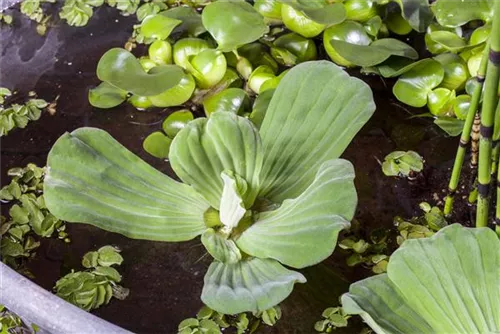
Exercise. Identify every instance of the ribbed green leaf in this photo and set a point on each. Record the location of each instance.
(232, 208)
(448, 283)
(221, 249)
(313, 115)
(304, 230)
(249, 285)
(201, 152)
(93, 179)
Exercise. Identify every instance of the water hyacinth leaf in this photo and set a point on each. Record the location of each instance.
(396, 66)
(350, 32)
(461, 106)
(160, 52)
(375, 53)
(410, 299)
(232, 208)
(176, 95)
(451, 125)
(158, 26)
(440, 101)
(397, 24)
(455, 71)
(292, 48)
(121, 69)
(93, 179)
(233, 24)
(187, 47)
(417, 12)
(157, 144)
(413, 87)
(176, 121)
(319, 11)
(191, 21)
(270, 9)
(201, 152)
(253, 285)
(233, 100)
(222, 249)
(208, 67)
(457, 13)
(307, 110)
(448, 40)
(328, 204)
(106, 96)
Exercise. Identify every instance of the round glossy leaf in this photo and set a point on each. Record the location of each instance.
(360, 10)
(457, 13)
(160, 52)
(260, 107)
(260, 75)
(373, 26)
(106, 96)
(461, 106)
(451, 125)
(440, 101)
(187, 47)
(396, 66)
(417, 13)
(298, 22)
(120, 68)
(157, 144)
(208, 67)
(319, 11)
(455, 71)
(375, 53)
(397, 24)
(233, 24)
(177, 95)
(233, 100)
(191, 21)
(158, 26)
(448, 40)
(273, 82)
(474, 63)
(140, 102)
(413, 87)
(147, 63)
(480, 35)
(257, 54)
(176, 121)
(270, 9)
(301, 48)
(350, 32)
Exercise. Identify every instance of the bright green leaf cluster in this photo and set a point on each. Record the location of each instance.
(78, 12)
(333, 318)
(28, 216)
(6, 18)
(12, 323)
(18, 115)
(96, 286)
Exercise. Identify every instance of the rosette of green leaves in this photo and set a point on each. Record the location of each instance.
(19, 115)
(91, 289)
(333, 317)
(401, 163)
(249, 194)
(78, 12)
(126, 7)
(447, 283)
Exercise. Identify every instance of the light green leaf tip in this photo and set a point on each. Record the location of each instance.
(447, 283)
(249, 285)
(232, 208)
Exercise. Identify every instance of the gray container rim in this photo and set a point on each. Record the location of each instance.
(52, 314)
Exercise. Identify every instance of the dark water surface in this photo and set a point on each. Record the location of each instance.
(165, 280)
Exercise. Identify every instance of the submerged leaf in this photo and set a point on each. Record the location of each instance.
(93, 179)
(308, 224)
(311, 119)
(249, 285)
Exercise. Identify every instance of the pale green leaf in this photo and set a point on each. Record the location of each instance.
(201, 152)
(451, 125)
(93, 179)
(309, 224)
(106, 96)
(447, 283)
(158, 26)
(451, 13)
(250, 285)
(314, 113)
(121, 69)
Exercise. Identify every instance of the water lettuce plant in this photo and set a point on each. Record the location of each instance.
(259, 199)
(447, 283)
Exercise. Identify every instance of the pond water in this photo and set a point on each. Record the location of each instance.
(165, 280)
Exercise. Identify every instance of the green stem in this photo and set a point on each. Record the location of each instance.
(466, 135)
(490, 102)
(494, 156)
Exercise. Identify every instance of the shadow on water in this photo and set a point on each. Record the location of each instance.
(165, 280)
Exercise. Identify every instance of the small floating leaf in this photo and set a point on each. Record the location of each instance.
(233, 100)
(417, 12)
(190, 18)
(457, 13)
(176, 121)
(157, 144)
(158, 26)
(106, 96)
